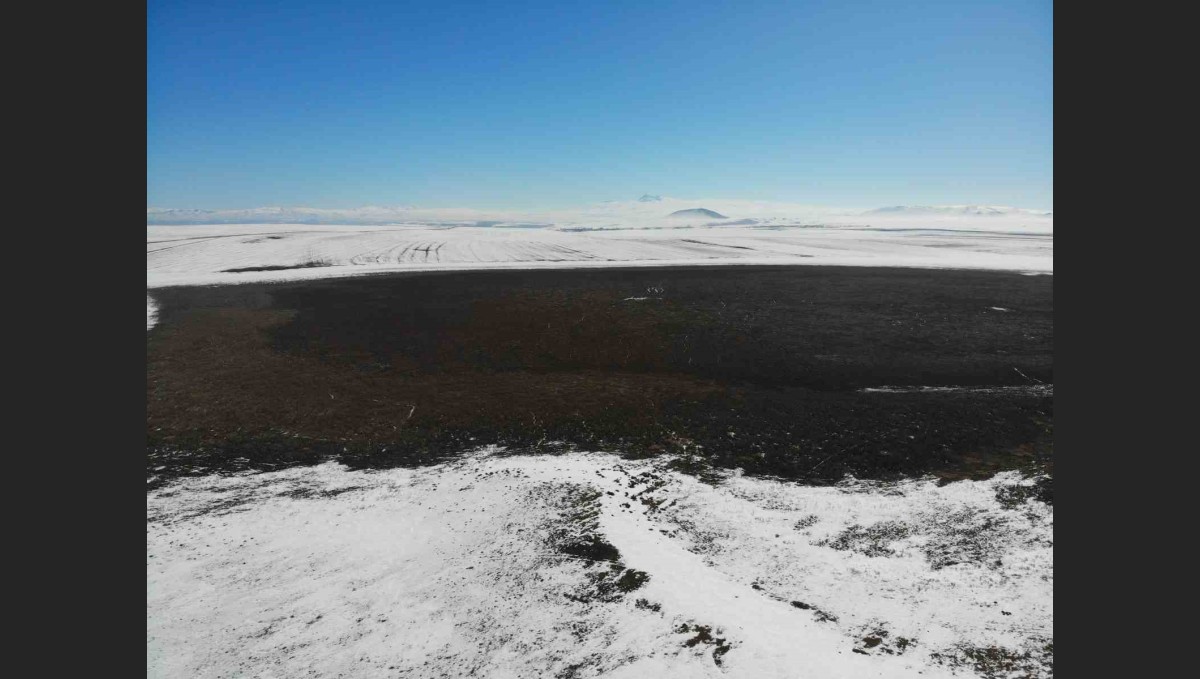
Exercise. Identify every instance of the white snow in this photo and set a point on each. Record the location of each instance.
(1047, 389)
(151, 312)
(182, 250)
(961, 210)
(200, 255)
(446, 571)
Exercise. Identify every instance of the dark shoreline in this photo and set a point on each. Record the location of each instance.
(758, 367)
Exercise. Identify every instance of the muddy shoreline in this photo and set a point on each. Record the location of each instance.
(808, 373)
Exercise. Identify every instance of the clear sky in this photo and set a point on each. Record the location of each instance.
(552, 104)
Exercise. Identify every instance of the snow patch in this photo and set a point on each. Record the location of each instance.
(1044, 389)
(451, 569)
(151, 312)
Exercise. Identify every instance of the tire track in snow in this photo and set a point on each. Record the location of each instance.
(403, 256)
(780, 640)
(375, 256)
(572, 251)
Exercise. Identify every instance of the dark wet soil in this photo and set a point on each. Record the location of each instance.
(754, 367)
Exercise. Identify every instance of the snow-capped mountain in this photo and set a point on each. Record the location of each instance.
(698, 212)
(648, 211)
(957, 210)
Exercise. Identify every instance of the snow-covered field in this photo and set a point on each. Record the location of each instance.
(458, 569)
(619, 234)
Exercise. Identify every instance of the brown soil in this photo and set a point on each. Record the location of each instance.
(752, 367)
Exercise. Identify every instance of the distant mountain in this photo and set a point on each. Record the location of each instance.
(649, 211)
(959, 210)
(280, 215)
(698, 212)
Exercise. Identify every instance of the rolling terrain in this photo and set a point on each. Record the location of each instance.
(759, 449)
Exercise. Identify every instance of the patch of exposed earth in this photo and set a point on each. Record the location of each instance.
(806, 373)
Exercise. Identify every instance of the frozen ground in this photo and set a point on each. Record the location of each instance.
(182, 252)
(183, 255)
(483, 567)
(182, 246)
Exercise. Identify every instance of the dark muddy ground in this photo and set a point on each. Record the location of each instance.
(754, 367)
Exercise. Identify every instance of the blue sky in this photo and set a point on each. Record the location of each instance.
(553, 104)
